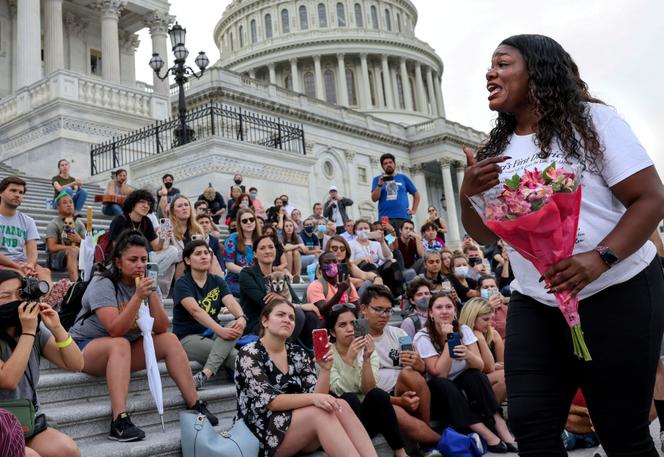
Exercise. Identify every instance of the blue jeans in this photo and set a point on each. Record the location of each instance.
(111, 209)
(79, 198)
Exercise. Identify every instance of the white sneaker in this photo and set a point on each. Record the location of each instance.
(433, 452)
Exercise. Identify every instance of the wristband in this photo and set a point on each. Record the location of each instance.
(65, 343)
(243, 317)
(29, 334)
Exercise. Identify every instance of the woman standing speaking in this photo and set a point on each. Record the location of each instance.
(545, 115)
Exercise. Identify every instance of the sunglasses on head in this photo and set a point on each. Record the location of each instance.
(249, 220)
(340, 306)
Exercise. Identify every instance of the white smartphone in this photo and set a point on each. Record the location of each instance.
(152, 272)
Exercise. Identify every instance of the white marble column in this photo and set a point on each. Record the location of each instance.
(395, 87)
(450, 201)
(342, 96)
(366, 90)
(110, 40)
(405, 83)
(76, 28)
(273, 73)
(54, 52)
(320, 93)
(417, 172)
(128, 44)
(387, 81)
(157, 22)
(419, 90)
(295, 75)
(28, 43)
(432, 94)
(380, 99)
(12, 13)
(439, 95)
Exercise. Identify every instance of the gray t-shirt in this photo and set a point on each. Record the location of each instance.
(24, 391)
(15, 231)
(101, 293)
(56, 226)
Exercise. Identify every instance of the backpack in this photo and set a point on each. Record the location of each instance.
(103, 248)
(71, 304)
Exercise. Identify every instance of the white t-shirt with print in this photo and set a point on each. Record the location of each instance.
(623, 156)
(387, 348)
(372, 249)
(425, 348)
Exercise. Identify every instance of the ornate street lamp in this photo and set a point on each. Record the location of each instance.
(184, 134)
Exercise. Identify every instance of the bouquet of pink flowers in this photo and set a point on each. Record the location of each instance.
(538, 215)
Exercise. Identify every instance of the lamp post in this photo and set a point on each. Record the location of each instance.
(181, 72)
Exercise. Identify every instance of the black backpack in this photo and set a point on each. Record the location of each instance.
(71, 304)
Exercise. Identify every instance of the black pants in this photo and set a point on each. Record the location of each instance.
(390, 273)
(467, 400)
(377, 415)
(623, 330)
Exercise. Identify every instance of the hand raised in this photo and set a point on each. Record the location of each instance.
(480, 176)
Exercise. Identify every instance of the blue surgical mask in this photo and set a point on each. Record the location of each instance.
(253, 196)
(321, 228)
(485, 293)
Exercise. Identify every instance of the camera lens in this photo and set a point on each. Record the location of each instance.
(33, 289)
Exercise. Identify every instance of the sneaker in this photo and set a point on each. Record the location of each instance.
(122, 429)
(433, 452)
(201, 407)
(478, 444)
(200, 380)
(297, 279)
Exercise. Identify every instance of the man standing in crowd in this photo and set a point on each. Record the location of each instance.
(18, 232)
(116, 186)
(289, 208)
(391, 191)
(166, 194)
(63, 238)
(335, 209)
(73, 186)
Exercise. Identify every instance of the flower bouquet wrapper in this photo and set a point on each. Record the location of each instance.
(540, 222)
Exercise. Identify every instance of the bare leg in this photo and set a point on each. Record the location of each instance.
(501, 428)
(72, 262)
(497, 379)
(167, 346)
(52, 443)
(410, 379)
(355, 430)
(110, 357)
(485, 433)
(215, 268)
(30, 453)
(44, 274)
(289, 261)
(415, 429)
(297, 262)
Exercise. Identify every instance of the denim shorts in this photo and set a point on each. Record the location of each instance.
(82, 343)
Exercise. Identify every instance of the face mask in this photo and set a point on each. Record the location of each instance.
(331, 270)
(485, 293)
(253, 196)
(309, 229)
(238, 181)
(363, 234)
(9, 314)
(243, 203)
(460, 272)
(422, 302)
(168, 185)
(321, 228)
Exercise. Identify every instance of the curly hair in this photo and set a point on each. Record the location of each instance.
(136, 196)
(559, 97)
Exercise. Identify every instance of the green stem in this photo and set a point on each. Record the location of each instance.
(580, 347)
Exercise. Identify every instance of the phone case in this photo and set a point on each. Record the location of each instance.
(321, 339)
(361, 327)
(405, 343)
(452, 341)
(152, 272)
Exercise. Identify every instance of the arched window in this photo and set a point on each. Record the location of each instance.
(268, 26)
(402, 102)
(304, 21)
(372, 89)
(388, 21)
(240, 33)
(285, 23)
(232, 44)
(374, 17)
(288, 82)
(398, 22)
(341, 15)
(252, 28)
(350, 87)
(309, 85)
(322, 15)
(358, 15)
(330, 87)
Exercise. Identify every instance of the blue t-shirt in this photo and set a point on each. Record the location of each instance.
(393, 202)
(208, 297)
(310, 241)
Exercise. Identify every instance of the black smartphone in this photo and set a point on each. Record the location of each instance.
(388, 178)
(360, 327)
(474, 261)
(343, 271)
(452, 342)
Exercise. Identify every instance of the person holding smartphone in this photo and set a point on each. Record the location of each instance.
(282, 400)
(333, 284)
(454, 365)
(353, 377)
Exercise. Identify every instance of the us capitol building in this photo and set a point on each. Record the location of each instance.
(306, 94)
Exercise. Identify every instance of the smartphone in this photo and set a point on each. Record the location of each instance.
(165, 228)
(361, 327)
(388, 178)
(494, 292)
(321, 340)
(197, 237)
(152, 272)
(474, 261)
(452, 342)
(374, 235)
(384, 220)
(405, 343)
(343, 271)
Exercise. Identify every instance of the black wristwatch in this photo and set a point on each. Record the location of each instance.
(608, 256)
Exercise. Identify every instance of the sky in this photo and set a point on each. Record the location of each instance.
(617, 45)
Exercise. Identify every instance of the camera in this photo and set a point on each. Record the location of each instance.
(33, 289)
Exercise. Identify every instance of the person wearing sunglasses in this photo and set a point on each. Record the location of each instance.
(332, 286)
(359, 278)
(238, 250)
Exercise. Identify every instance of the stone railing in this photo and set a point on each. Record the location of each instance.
(68, 86)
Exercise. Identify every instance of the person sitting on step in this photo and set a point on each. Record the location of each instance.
(64, 182)
(106, 331)
(63, 238)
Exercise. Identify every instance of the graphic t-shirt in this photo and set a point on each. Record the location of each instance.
(623, 156)
(393, 201)
(15, 232)
(387, 348)
(208, 297)
(55, 228)
(310, 241)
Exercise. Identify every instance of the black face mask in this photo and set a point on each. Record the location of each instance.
(238, 181)
(168, 185)
(9, 314)
(232, 230)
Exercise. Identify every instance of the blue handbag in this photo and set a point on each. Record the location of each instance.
(199, 439)
(454, 444)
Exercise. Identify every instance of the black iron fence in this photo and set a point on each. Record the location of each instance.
(213, 119)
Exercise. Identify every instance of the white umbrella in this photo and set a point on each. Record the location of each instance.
(86, 253)
(145, 321)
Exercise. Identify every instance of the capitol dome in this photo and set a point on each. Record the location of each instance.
(362, 54)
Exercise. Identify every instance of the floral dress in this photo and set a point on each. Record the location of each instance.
(258, 381)
(231, 254)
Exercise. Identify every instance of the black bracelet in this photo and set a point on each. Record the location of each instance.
(29, 334)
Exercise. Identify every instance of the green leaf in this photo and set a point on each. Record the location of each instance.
(513, 183)
(547, 180)
(537, 204)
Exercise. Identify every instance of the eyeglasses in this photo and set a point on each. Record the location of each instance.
(143, 202)
(381, 311)
(432, 210)
(248, 220)
(338, 248)
(340, 306)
